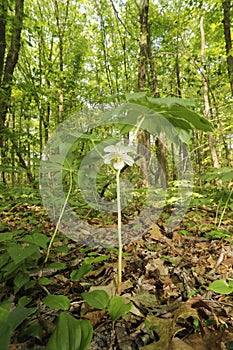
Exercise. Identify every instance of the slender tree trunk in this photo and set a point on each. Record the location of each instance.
(7, 65)
(3, 15)
(228, 39)
(143, 137)
(146, 63)
(61, 27)
(207, 110)
(11, 61)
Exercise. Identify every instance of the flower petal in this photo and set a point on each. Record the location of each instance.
(127, 159)
(119, 165)
(111, 148)
(109, 157)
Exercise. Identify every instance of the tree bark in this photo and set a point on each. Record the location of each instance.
(3, 14)
(61, 27)
(207, 110)
(7, 65)
(143, 137)
(11, 60)
(146, 63)
(228, 39)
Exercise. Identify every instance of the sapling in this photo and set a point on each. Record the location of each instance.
(118, 154)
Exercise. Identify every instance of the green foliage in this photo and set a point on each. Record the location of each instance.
(70, 334)
(10, 321)
(174, 110)
(58, 302)
(76, 275)
(221, 287)
(98, 299)
(116, 306)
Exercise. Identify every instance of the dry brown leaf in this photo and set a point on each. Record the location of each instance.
(110, 288)
(164, 330)
(155, 232)
(95, 316)
(178, 344)
(146, 299)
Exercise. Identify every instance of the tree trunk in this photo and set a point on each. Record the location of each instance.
(61, 27)
(207, 110)
(143, 137)
(11, 61)
(7, 65)
(146, 62)
(3, 15)
(228, 40)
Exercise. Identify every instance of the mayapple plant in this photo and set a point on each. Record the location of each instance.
(118, 154)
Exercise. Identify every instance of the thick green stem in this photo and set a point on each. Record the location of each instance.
(119, 233)
(60, 217)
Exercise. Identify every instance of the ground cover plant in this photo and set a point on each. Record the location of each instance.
(181, 282)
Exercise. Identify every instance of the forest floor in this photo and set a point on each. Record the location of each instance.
(165, 277)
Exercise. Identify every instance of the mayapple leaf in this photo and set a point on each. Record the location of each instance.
(59, 302)
(98, 299)
(70, 334)
(118, 307)
(173, 109)
(221, 287)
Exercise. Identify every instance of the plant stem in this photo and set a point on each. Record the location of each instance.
(60, 217)
(119, 233)
(225, 207)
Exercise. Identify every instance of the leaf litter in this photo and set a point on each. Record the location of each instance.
(166, 278)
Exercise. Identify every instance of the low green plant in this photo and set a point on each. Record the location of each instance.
(116, 306)
(20, 255)
(10, 320)
(221, 286)
(70, 334)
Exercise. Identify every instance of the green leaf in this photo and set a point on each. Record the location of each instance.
(3, 314)
(19, 253)
(118, 307)
(171, 101)
(24, 300)
(59, 302)
(5, 335)
(91, 259)
(10, 321)
(57, 265)
(173, 109)
(70, 334)
(18, 315)
(44, 281)
(32, 330)
(36, 238)
(6, 236)
(195, 120)
(137, 96)
(20, 280)
(221, 287)
(76, 275)
(98, 299)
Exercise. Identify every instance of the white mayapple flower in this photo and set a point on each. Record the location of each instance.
(119, 154)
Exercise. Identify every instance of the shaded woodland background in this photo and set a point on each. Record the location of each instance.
(60, 57)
